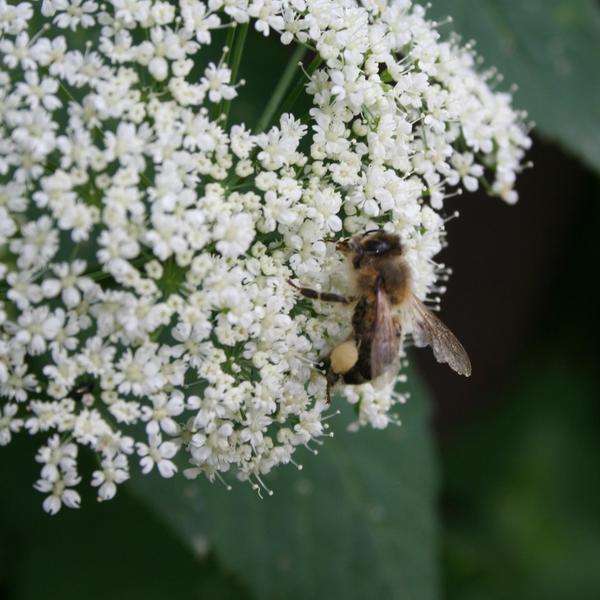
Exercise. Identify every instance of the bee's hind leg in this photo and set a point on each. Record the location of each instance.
(325, 296)
(341, 361)
(332, 378)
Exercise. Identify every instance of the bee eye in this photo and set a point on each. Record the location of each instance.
(376, 247)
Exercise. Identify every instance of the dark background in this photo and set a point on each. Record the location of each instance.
(519, 442)
(518, 284)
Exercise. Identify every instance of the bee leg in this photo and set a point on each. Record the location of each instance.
(325, 296)
(332, 379)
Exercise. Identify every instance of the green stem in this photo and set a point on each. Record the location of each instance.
(217, 109)
(236, 51)
(282, 86)
(292, 97)
(74, 252)
(99, 274)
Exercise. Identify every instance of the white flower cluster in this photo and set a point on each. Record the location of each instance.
(145, 245)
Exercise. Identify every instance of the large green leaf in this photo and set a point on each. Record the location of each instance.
(359, 520)
(551, 49)
(523, 489)
(114, 550)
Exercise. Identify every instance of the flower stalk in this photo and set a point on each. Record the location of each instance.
(295, 60)
(236, 52)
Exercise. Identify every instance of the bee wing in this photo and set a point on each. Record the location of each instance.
(385, 344)
(428, 330)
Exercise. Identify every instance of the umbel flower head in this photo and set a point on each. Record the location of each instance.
(146, 242)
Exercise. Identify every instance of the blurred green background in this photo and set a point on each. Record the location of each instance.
(490, 489)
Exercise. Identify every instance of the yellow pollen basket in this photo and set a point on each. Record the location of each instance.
(343, 357)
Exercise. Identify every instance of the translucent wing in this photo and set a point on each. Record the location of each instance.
(428, 330)
(385, 343)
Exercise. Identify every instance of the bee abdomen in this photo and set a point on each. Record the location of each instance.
(363, 318)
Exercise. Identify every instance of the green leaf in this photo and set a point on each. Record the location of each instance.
(358, 521)
(523, 488)
(550, 48)
(117, 549)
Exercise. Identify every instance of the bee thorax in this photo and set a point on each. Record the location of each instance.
(396, 280)
(393, 273)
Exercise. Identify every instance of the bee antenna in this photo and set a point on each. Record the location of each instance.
(371, 231)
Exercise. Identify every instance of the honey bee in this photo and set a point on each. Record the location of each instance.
(385, 307)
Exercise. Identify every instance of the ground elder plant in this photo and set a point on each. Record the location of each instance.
(146, 239)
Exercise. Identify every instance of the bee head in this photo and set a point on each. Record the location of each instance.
(369, 244)
(348, 246)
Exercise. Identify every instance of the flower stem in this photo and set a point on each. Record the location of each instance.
(292, 97)
(217, 109)
(236, 52)
(281, 88)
